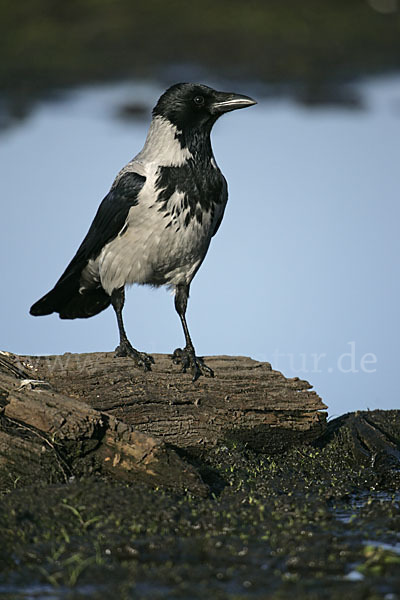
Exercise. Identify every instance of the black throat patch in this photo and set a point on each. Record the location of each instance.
(201, 187)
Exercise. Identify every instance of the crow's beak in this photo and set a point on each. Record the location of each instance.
(225, 102)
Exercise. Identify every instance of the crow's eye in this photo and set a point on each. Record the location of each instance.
(198, 100)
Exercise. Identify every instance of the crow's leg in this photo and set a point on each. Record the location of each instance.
(187, 357)
(142, 360)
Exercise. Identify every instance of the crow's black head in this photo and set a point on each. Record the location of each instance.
(193, 105)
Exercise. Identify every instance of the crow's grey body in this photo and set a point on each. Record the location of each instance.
(155, 225)
(156, 247)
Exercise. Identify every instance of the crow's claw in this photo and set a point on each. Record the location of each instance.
(188, 360)
(141, 359)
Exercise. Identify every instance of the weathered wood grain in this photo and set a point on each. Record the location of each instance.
(246, 399)
(77, 414)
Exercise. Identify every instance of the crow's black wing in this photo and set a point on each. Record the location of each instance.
(223, 201)
(109, 220)
(65, 297)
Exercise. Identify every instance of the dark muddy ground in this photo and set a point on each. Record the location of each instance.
(317, 522)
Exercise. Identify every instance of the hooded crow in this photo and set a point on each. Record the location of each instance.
(155, 225)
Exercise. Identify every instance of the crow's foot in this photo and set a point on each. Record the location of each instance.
(188, 360)
(141, 359)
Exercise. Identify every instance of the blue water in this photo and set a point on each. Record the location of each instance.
(304, 272)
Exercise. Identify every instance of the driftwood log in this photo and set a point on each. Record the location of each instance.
(77, 413)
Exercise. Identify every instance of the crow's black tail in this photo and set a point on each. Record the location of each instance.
(66, 300)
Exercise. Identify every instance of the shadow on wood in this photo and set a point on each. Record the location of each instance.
(73, 414)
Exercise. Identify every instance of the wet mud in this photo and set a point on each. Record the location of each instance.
(317, 521)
